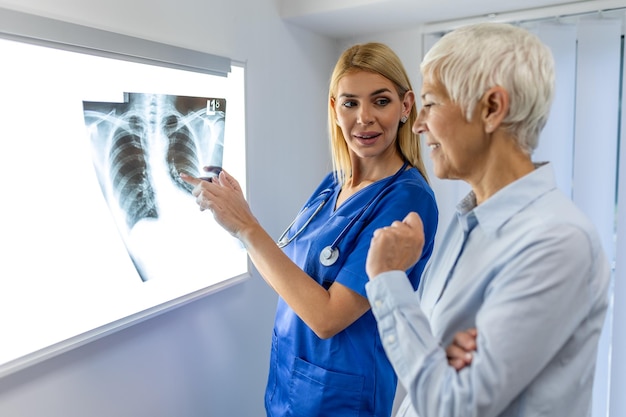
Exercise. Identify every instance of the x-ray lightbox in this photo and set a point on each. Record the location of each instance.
(96, 230)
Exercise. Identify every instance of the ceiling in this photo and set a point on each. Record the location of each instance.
(347, 18)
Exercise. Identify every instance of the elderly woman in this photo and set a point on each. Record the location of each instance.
(519, 263)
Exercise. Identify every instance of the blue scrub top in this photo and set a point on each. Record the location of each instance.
(349, 373)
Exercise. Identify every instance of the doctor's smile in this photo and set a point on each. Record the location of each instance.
(368, 137)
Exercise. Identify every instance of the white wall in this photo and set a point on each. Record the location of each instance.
(209, 357)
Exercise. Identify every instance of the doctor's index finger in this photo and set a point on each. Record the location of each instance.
(189, 179)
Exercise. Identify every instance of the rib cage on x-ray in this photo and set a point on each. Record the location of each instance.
(128, 172)
(141, 145)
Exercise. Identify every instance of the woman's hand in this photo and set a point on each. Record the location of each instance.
(396, 247)
(222, 195)
(459, 352)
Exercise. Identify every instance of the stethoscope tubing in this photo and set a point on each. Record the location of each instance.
(356, 218)
(330, 253)
(282, 242)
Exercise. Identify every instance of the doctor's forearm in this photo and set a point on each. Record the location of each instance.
(310, 301)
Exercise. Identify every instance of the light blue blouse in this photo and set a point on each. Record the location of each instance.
(527, 269)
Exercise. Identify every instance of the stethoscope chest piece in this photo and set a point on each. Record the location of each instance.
(329, 255)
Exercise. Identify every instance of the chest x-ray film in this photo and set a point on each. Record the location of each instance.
(96, 229)
(139, 148)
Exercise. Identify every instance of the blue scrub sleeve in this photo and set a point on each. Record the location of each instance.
(395, 205)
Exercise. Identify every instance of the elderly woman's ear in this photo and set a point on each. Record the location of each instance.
(495, 107)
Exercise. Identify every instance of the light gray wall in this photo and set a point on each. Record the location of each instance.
(406, 43)
(209, 357)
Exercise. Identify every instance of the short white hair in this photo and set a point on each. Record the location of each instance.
(472, 59)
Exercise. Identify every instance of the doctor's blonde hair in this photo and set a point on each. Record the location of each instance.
(380, 59)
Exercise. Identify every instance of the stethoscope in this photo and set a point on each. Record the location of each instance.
(330, 254)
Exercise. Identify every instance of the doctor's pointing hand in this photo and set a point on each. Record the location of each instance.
(222, 195)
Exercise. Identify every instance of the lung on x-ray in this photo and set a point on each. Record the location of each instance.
(139, 147)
